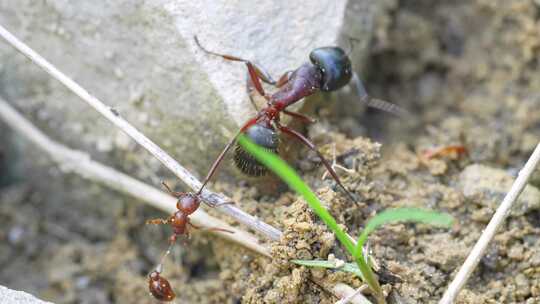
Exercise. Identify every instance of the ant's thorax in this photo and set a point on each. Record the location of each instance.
(304, 81)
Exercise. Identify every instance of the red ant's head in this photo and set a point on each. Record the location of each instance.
(188, 203)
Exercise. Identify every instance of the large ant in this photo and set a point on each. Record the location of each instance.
(186, 205)
(329, 69)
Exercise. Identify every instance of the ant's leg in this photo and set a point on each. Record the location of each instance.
(194, 226)
(301, 117)
(173, 193)
(210, 229)
(256, 73)
(260, 71)
(310, 145)
(216, 163)
(283, 79)
(158, 221)
(374, 102)
(250, 88)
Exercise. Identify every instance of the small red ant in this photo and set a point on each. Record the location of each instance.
(186, 205)
(329, 70)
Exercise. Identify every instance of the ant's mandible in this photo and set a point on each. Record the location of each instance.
(329, 69)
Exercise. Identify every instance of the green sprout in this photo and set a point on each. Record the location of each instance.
(287, 174)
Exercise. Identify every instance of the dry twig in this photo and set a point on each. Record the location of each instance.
(80, 163)
(498, 218)
(209, 197)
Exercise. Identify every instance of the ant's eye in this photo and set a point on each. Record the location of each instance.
(335, 67)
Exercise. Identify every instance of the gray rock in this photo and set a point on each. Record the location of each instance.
(487, 186)
(140, 57)
(9, 296)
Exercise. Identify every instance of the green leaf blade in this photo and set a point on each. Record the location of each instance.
(403, 215)
(287, 174)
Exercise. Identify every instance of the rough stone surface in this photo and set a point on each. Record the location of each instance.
(140, 57)
(9, 296)
(488, 186)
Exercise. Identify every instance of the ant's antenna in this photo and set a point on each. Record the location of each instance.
(374, 102)
(364, 96)
(352, 41)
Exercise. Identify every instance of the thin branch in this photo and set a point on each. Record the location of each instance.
(211, 198)
(80, 163)
(498, 218)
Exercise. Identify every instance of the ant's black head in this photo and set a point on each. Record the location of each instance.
(335, 67)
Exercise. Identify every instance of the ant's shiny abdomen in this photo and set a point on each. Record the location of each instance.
(263, 136)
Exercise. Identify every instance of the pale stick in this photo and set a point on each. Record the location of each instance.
(80, 163)
(498, 218)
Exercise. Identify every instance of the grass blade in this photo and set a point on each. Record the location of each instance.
(287, 174)
(403, 215)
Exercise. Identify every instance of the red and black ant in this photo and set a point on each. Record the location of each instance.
(186, 205)
(329, 69)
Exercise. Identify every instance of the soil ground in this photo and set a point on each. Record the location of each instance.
(467, 72)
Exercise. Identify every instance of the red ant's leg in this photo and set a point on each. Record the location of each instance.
(173, 193)
(256, 73)
(310, 145)
(301, 117)
(251, 92)
(250, 87)
(210, 229)
(283, 79)
(216, 163)
(158, 221)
